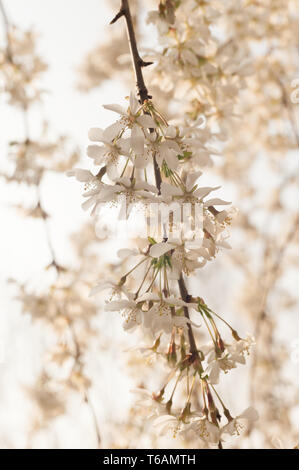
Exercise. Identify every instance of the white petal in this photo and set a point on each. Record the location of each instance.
(89, 203)
(170, 132)
(221, 216)
(172, 160)
(216, 202)
(160, 249)
(191, 178)
(146, 186)
(116, 108)
(119, 305)
(95, 134)
(81, 175)
(202, 192)
(214, 372)
(100, 287)
(134, 104)
(148, 296)
(250, 413)
(112, 131)
(95, 151)
(165, 423)
(137, 140)
(170, 190)
(147, 121)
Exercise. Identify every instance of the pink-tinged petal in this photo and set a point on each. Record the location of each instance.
(159, 249)
(95, 134)
(216, 202)
(116, 108)
(112, 131)
(137, 140)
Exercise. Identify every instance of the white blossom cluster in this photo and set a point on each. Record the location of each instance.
(196, 65)
(143, 159)
(20, 68)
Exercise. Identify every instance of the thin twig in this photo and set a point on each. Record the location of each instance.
(7, 28)
(87, 399)
(138, 64)
(94, 418)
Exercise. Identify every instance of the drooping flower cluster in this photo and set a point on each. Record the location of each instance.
(20, 68)
(132, 154)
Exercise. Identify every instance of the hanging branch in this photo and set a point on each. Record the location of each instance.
(138, 64)
(7, 28)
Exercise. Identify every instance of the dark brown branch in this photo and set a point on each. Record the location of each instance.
(157, 175)
(186, 298)
(138, 62)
